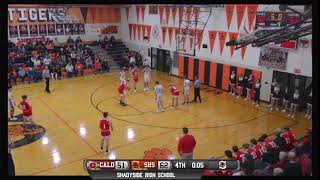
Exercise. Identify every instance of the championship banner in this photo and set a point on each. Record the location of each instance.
(82, 29)
(130, 30)
(232, 36)
(127, 12)
(75, 29)
(23, 30)
(143, 8)
(229, 13)
(67, 29)
(161, 9)
(164, 34)
(167, 10)
(139, 31)
(138, 12)
(51, 30)
(174, 13)
(243, 51)
(222, 39)
(273, 58)
(60, 29)
(134, 31)
(171, 29)
(252, 12)
(42, 30)
(148, 32)
(212, 38)
(240, 8)
(33, 29)
(13, 31)
(199, 37)
(189, 10)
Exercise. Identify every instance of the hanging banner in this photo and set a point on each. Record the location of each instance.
(33, 30)
(143, 8)
(144, 28)
(232, 36)
(197, 12)
(52, 29)
(222, 39)
(174, 13)
(139, 31)
(127, 12)
(181, 11)
(167, 9)
(148, 32)
(212, 38)
(171, 29)
(138, 12)
(161, 9)
(13, 31)
(199, 37)
(189, 11)
(243, 51)
(229, 13)
(252, 12)
(240, 8)
(164, 34)
(191, 42)
(23, 29)
(43, 30)
(134, 26)
(60, 29)
(130, 30)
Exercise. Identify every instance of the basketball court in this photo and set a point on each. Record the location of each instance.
(70, 116)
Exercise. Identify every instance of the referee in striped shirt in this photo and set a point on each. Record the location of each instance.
(46, 75)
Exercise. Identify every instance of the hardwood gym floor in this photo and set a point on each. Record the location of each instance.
(70, 116)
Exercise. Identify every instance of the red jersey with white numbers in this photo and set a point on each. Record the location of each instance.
(135, 75)
(26, 108)
(175, 91)
(240, 156)
(269, 143)
(105, 127)
(253, 153)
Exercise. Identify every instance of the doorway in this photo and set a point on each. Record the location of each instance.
(159, 59)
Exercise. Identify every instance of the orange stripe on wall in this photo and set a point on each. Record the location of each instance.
(201, 70)
(181, 65)
(256, 75)
(190, 69)
(239, 72)
(213, 74)
(225, 77)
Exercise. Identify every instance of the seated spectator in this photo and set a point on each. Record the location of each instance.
(262, 169)
(38, 74)
(47, 61)
(73, 56)
(105, 66)
(293, 168)
(97, 66)
(277, 172)
(88, 61)
(31, 74)
(289, 139)
(282, 160)
(69, 69)
(279, 141)
(304, 159)
(21, 74)
(79, 68)
(70, 42)
(248, 166)
(269, 156)
(13, 76)
(58, 71)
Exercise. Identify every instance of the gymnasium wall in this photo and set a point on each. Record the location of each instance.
(134, 27)
(94, 18)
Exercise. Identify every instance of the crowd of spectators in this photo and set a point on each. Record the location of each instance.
(281, 156)
(27, 59)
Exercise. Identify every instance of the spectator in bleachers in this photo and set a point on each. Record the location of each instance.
(58, 71)
(279, 141)
(30, 74)
(56, 44)
(69, 69)
(54, 73)
(79, 42)
(282, 160)
(277, 172)
(248, 166)
(132, 60)
(78, 69)
(270, 156)
(13, 76)
(262, 169)
(293, 168)
(73, 56)
(97, 66)
(47, 60)
(88, 62)
(304, 159)
(105, 66)
(21, 74)
(70, 42)
(38, 74)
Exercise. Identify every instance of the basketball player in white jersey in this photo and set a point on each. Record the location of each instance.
(146, 73)
(11, 104)
(159, 93)
(122, 74)
(186, 90)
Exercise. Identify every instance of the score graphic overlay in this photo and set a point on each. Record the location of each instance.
(154, 169)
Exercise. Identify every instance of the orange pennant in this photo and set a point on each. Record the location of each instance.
(176, 32)
(171, 29)
(144, 28)
(134, 31)
(252, 12)
(199, 36)
(243, 51)
(232, 36)
(191, 32)
(197, 11)
(127, 12)
(142, 12)
(240, 8)
(212, 38)
(148, 32)
(189, 10)
(139, 31)
(222, 39)
(130, 30)
(164, 33)
(167, 9)
(181, 11)
(161, 8)
(229, 12)
(138, 12)
(174, 13)
(191, 42)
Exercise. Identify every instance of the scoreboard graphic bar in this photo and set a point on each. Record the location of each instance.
(156, 169)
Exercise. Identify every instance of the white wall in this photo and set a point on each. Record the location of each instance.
(297, 59)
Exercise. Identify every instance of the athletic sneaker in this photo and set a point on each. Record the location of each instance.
(14, 119)
(162, 110)
(245, 99)
(277, 109)
(157, 110)
(309, 117)
(237, 97)
(257, 105)
(293, 116)
(306, 115)
(171, 107)
(233, 94)
(135, 90)
(283, 110)
(271, 109)
(289, 115)
(253, 103)
(230, 93)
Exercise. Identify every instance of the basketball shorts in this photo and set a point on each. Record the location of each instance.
(159, 98)
(146, 78)
(186, 92)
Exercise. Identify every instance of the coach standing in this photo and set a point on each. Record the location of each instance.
(197, 84)
(11, 168)
(46, 76)
(186, 145)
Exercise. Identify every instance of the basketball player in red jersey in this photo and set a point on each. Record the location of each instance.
(135, 77)
(290, 140)
(249, 150)
(175, 94)
(258, 148)
(239, 154)
(105, 127)
(267, 142)
(27, 112)
(121, 90)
